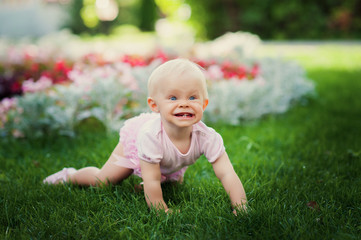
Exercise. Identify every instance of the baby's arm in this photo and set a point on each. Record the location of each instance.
(230, 181)
(152, 189)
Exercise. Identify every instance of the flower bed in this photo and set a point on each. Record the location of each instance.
(47, 88)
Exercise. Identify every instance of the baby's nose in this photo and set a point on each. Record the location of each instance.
(183, 103)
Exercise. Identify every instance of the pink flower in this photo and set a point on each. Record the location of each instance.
(7, 103)
(214, 72)
(255, 70)
(17, 134)
(40, 85)
(14, 56)
(127, 77)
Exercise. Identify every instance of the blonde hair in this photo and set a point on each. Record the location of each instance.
(176, 68)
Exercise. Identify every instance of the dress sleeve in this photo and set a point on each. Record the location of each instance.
(213, 147)
(149, 147)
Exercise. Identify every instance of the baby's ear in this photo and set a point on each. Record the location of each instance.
(153, 106)
(205, 104)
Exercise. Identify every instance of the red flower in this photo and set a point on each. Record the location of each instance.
(241, 72)
(27, 56)
(161, 55)
(93, 58)
(205, 64)
(134, 61)
(46, 74)
(202, 63)
(60, 66)
(35, 67)
(15, 87)
(229, 70)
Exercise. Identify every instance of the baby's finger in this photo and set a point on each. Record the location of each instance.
(171, 211)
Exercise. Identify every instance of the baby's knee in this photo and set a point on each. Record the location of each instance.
(101, 179)
(105, 179)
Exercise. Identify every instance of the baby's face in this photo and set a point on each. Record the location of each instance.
(180, 101)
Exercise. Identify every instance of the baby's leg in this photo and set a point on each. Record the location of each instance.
(110, 172)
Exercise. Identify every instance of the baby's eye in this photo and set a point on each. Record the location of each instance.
(192, 98)
(173, 98)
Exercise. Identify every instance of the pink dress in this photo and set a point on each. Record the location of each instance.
(143, 138)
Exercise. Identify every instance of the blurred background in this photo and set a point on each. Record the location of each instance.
(208, 19)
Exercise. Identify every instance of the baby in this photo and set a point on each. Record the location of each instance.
(159, 146)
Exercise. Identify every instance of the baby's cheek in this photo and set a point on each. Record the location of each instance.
(197, 105)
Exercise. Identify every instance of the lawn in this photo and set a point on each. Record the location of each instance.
(301, 172)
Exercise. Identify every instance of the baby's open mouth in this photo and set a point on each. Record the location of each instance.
(185, 115)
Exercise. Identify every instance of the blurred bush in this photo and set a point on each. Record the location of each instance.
(277, 19)
(280, 19)
(85, 19)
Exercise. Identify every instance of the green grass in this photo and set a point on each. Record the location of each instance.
(311, 153)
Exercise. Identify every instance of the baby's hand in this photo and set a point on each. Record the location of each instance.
(240, 208)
